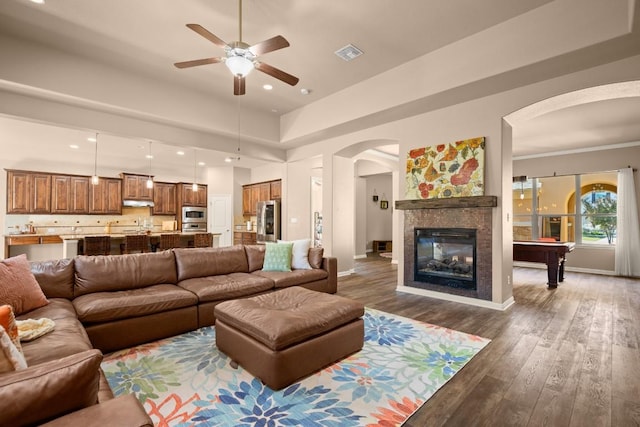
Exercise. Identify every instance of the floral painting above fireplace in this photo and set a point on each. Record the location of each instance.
(446, 170)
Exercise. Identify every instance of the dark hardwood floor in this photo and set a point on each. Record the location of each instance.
(563, 357)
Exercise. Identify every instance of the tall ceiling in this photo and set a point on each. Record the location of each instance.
(146, 37)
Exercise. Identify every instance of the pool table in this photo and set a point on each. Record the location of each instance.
(551, 253)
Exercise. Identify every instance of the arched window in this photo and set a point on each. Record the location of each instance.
(599, 208)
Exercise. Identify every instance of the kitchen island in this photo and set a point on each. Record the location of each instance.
(41, 247)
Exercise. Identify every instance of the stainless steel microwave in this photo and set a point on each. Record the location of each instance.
(194, 214)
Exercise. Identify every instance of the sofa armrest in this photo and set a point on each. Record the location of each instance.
(49, 390)
(123, 411)
(330, 265)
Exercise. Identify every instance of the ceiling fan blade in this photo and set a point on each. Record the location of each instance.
(274, 43)
(278, 74)
(238, 85)
(196, 62)
(207, 35)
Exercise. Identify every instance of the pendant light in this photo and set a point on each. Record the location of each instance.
(94, 179)
(194, 186)
(149, 180)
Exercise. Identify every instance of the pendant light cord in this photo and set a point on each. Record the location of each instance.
(95, 158)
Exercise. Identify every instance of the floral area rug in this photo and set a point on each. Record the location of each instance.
(186, 381)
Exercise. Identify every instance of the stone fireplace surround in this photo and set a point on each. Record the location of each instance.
(459, 212)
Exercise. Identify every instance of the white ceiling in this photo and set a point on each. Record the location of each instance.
(147, 36)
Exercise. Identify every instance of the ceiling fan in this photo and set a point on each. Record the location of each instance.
(241, 58)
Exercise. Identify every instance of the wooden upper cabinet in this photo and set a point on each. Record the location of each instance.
(28, 192)
(106, 197)
(69, 194)
(190, 198)
(134, 187)
(254, 193)
(276, 190)
(264, 190)
(164, 198)
(246, 200)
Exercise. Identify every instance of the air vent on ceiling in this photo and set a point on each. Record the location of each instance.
(348, 52)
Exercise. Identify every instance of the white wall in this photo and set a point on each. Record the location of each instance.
(379, 221)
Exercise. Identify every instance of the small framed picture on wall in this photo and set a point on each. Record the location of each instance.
(384, 204)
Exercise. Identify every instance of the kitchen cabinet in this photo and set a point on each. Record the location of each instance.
(28, 192)
(254, 193)
(69, 194)
(191, 198)
(275, 190)
(106, 197)
(244, 238)
(164, 198)
(134, 187)
(247, 200)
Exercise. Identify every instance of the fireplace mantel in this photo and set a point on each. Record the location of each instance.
(449, 203)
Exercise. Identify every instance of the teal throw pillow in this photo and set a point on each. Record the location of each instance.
(277, 257)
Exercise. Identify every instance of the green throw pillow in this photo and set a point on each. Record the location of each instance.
(277, 257)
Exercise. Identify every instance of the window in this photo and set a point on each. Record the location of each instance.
(546, 208)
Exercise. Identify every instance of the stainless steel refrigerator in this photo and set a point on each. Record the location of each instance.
(268, 221)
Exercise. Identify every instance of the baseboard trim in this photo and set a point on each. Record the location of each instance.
(359, 256)
(540, 266)
(457, 298)
(394, 261)
(346, 273)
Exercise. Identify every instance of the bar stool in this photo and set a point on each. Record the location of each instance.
(168, 241)
(203, 240)
(135, 243)
(97, 245)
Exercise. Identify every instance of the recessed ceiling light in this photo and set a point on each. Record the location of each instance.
(305, 91)
(91, 139)
(74, 146)
(228, 159)
(149, 156)
(180, 153)
(37, 1)
(201, 163)
(273, 110)
(267, 87)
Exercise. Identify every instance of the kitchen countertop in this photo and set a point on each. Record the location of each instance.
(82, 236)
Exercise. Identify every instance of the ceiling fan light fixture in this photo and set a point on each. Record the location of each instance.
(239, 65)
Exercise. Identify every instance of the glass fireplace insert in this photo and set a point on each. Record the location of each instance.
(446, 256)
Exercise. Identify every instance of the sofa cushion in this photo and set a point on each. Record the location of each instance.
(255, 256)
(54, 277)
(50, 389)
(315, 257)
(68, 337)
(277, 257)
(8, 322)
(293, 278)
(108, 306)
(226, 286)
(11, 359)
(18, 287)
(202, 262)
(299, 253)
(123, 272)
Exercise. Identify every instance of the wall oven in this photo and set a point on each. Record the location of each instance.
(194, 214)
(194, 219)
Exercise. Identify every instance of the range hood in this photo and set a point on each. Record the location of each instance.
(137, 203)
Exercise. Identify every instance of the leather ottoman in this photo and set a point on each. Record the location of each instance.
(289, 334)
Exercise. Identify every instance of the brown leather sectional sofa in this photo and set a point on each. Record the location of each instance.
(107, 303)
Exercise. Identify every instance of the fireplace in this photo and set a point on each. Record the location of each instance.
(445, 256)
(455, 213)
